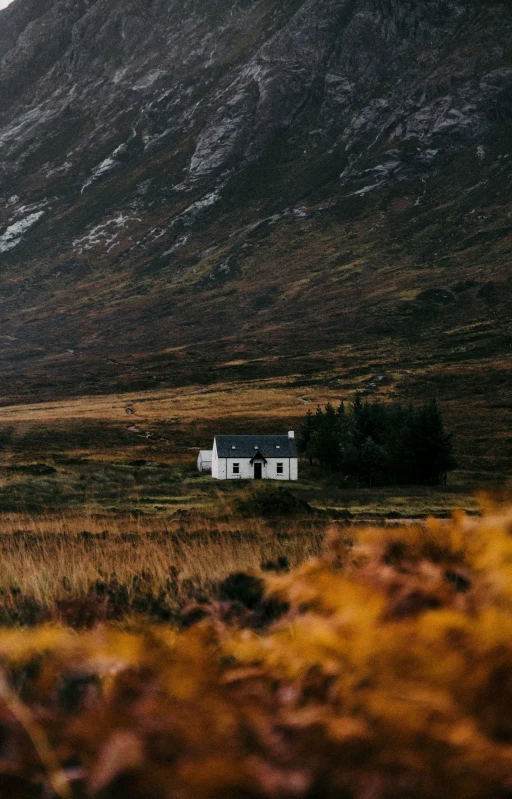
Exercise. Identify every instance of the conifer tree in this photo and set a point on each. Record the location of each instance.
(373, 461)
(325, 441)
(433, 446)
(379, 444)
(306, 431)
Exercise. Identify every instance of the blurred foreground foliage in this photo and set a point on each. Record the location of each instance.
(384, 673)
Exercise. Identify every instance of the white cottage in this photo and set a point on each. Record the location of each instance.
(204, 460)
(255, 458)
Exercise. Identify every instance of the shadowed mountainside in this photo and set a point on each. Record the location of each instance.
(204, 191)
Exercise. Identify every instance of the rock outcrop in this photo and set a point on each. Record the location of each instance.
(113, 82)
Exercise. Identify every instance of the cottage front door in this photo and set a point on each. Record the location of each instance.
(257, 471)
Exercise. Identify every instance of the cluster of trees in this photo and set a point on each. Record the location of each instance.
(377, 444)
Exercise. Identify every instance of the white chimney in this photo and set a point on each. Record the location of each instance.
(291, 434)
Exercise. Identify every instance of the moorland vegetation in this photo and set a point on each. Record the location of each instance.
(379, 668)
(105, 517)
(84, 568)
(169, 638)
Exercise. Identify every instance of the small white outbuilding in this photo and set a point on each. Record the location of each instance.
(255, 458)
(204, 460)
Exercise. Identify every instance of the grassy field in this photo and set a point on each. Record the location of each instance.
(136, 454)
(104, 515)
(81, 570)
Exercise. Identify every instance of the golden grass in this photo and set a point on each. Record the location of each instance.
(185, 404)
(47, 559)
(385, 671)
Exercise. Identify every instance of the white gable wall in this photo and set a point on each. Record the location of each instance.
(218, 465)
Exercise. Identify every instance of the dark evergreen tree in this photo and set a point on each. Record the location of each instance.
(433, 447)
(306, 431)
(373, 462)
(325, 441)
(379, 444)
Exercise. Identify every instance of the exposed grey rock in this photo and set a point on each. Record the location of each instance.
(97, 75)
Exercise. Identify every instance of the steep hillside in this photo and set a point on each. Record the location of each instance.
(197, 191)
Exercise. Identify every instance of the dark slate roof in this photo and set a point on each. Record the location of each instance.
(248, 446)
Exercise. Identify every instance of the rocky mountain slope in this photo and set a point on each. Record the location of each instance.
(212, 189)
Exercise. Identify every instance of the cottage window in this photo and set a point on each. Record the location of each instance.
(280, 468)
(236, 468)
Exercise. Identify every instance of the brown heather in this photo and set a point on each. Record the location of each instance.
(385, 673)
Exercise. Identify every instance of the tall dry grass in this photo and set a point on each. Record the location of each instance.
(137, 564)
